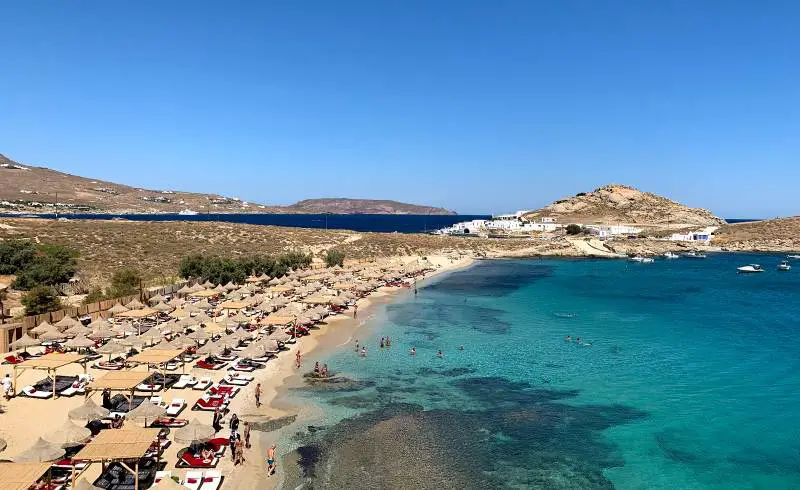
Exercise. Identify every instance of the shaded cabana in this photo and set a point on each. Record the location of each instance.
(49, 363)
(233, 305)
(122, 381)
(124, 446)
(21, 476)
(206, 293)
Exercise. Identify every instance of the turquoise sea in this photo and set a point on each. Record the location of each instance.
(692, 381)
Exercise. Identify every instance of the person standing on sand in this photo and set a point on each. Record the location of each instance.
(8, 387)
(271, 460)
(298, 359)
(247, 435)
(216, 421)
(239, 452)
(355, 311)
(258, 395)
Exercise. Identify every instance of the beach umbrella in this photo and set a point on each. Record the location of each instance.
(202, 304)
(185, 290)
(68, 435)
(202, 318)
(67, 322)
(199, 334)
(279, 336)
(271, 345)
(112, 348)
(147, 410)
(117, 309)
(239, 317)
(41, 452)
(79, 342)
(152, 334)
(24, 342)
(102, 333)
(194, 431)
(219, 289)
(164, 345)
(78, 329)
(134, 305)
(176, 302)
(41, 328)
(252, 351)
(214, 328)
(156, 299)
(182, 343)
(241, 334)
(180, 313)
(125, 329)
(99, 323)
(88, 411)
(162, 307)
(209, 348)
(52, 335)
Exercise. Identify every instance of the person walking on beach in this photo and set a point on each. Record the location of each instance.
(239, 452)
(355, 311)
(298, 359)
(215, 423)
(234, 423)
(8, 387)
(232, 443)
(247, 435)
(258, 395)
(271, 460)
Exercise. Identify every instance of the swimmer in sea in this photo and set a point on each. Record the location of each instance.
(461, 348)
(439, 354)
(412, 351)
(578, 340)
(568, 338)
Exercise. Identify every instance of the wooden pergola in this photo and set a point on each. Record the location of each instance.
(156, 358)
(233, 305)
(50, 363)
(20, 476)
(206, 293)
(118, 445)
(124, 381)
(137, 314)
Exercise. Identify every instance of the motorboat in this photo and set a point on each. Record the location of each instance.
(695, 255)
(750, 268)
(793, 256)
(187, 212)
(643, 260)
(784, 266)
(671, 255)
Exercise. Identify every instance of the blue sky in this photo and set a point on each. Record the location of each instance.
(478, 106)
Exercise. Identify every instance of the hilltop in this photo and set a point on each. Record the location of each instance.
(31, 189)
(623, 204)
(774, 235)
(362, 206)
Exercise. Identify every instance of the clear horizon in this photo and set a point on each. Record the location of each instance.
(476, 107)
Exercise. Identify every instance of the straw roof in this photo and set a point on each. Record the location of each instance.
(239, 317)
(127, 443)
(270, 346)
(156, 299)
(78, 342)
(98, 323)
(42, 328)
(119, 381)
(111, 348)
(52, 335)
(138, 313)
(277, 320)
(78, 329)
(199, 334)
(40, 452)
(24, 342)
(279, 336)
(52, 361)
(194, 431)
(213, 328)
(134, 305)
(126, 328)
(156, 357)
(147, 410)
(183, 343)
(117, 308)
(20, 476)
(203, 303)
(203, 293)
(233, 305)
(162, 307)
(88, 411)
(68, 435)
(210, 348)
(103, 333)
(67, 322)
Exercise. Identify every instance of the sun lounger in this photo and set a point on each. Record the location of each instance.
(169, 422)
(188, 460)
(210, 403)
(172, 366)
(176, 406)
(202, 384)
(232, 380)
(185, 381)
(66, 464)
(33, 392)
(160, 475)
(78, 387)
(219, 445)
(193, 480)
(202, 364)
(148, 387)
(158, 400)
(212, 479)
(109, 366)
(12, 359)
(244, 368)
(228, 391)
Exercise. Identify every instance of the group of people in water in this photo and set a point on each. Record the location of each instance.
(577, 340)
(386, 342)
(321, 369)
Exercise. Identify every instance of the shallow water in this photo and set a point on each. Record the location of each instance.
(691, 381)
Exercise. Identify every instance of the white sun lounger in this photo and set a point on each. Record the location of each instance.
(176, 406)
(185, 381)
(193, 480)
(34, 393)
(212, 479)
(160, 475)
(202, 384)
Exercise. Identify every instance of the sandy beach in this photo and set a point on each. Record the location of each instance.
(26, 419)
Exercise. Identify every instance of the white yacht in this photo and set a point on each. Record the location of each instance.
(643, 260)
(671, 255)
(793, 256)
(784, 266)
(187, 212)
(695, 255)
(750, 268)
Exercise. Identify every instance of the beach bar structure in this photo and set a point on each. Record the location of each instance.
(123, 446)
(50, 363)
(21, 476)
(122, 381)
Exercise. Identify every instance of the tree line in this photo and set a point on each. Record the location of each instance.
(222, 270)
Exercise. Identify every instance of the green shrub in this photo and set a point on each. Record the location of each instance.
(36, 264)
(574, 229)
(95, 296)
(334, 258)
(41, 299)
(221, 270)
(124, 282)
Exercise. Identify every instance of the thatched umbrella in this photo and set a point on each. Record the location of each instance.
(214, 328)
(271, 345)
(182, 343)
(252, 351)
(239, 317)
(79, 342)
(68, 435)
(125, 329)
(67, 322)
(88, 411)
(24, 342)
(117, 309)
(78, 329)
(194, 431)
(41, 452)
(99, 323)
(241, 334)
(164, 345)
(203, 318)
(41, 328)
(112, 348)
(203, 304)
(279, 336)
(162, 307)
(176, 302)
(134, 305)
(146, 411)
(230, 286)
(210, 348)
(102, 333)
(52, 335)
(199, 334)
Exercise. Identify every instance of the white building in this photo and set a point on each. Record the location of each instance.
(607, 231)
(703, 236)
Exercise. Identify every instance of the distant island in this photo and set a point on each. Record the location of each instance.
(31, 189)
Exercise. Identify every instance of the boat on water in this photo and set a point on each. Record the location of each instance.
(187, 212)
(643, 260)
(793, 256)
(695, 255)
(671, 255)
(750, 268)
(784, 266)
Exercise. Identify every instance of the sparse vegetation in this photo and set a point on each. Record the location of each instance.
(221, 270)
(41, 299)
(124, 282)
(36, 265)
(574, 229)
(334, 258)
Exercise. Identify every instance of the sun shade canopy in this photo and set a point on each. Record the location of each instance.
(115, 444)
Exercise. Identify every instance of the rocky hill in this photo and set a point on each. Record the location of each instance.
(772, 235)
(30, 189)
(622, 204)
(362, 206)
